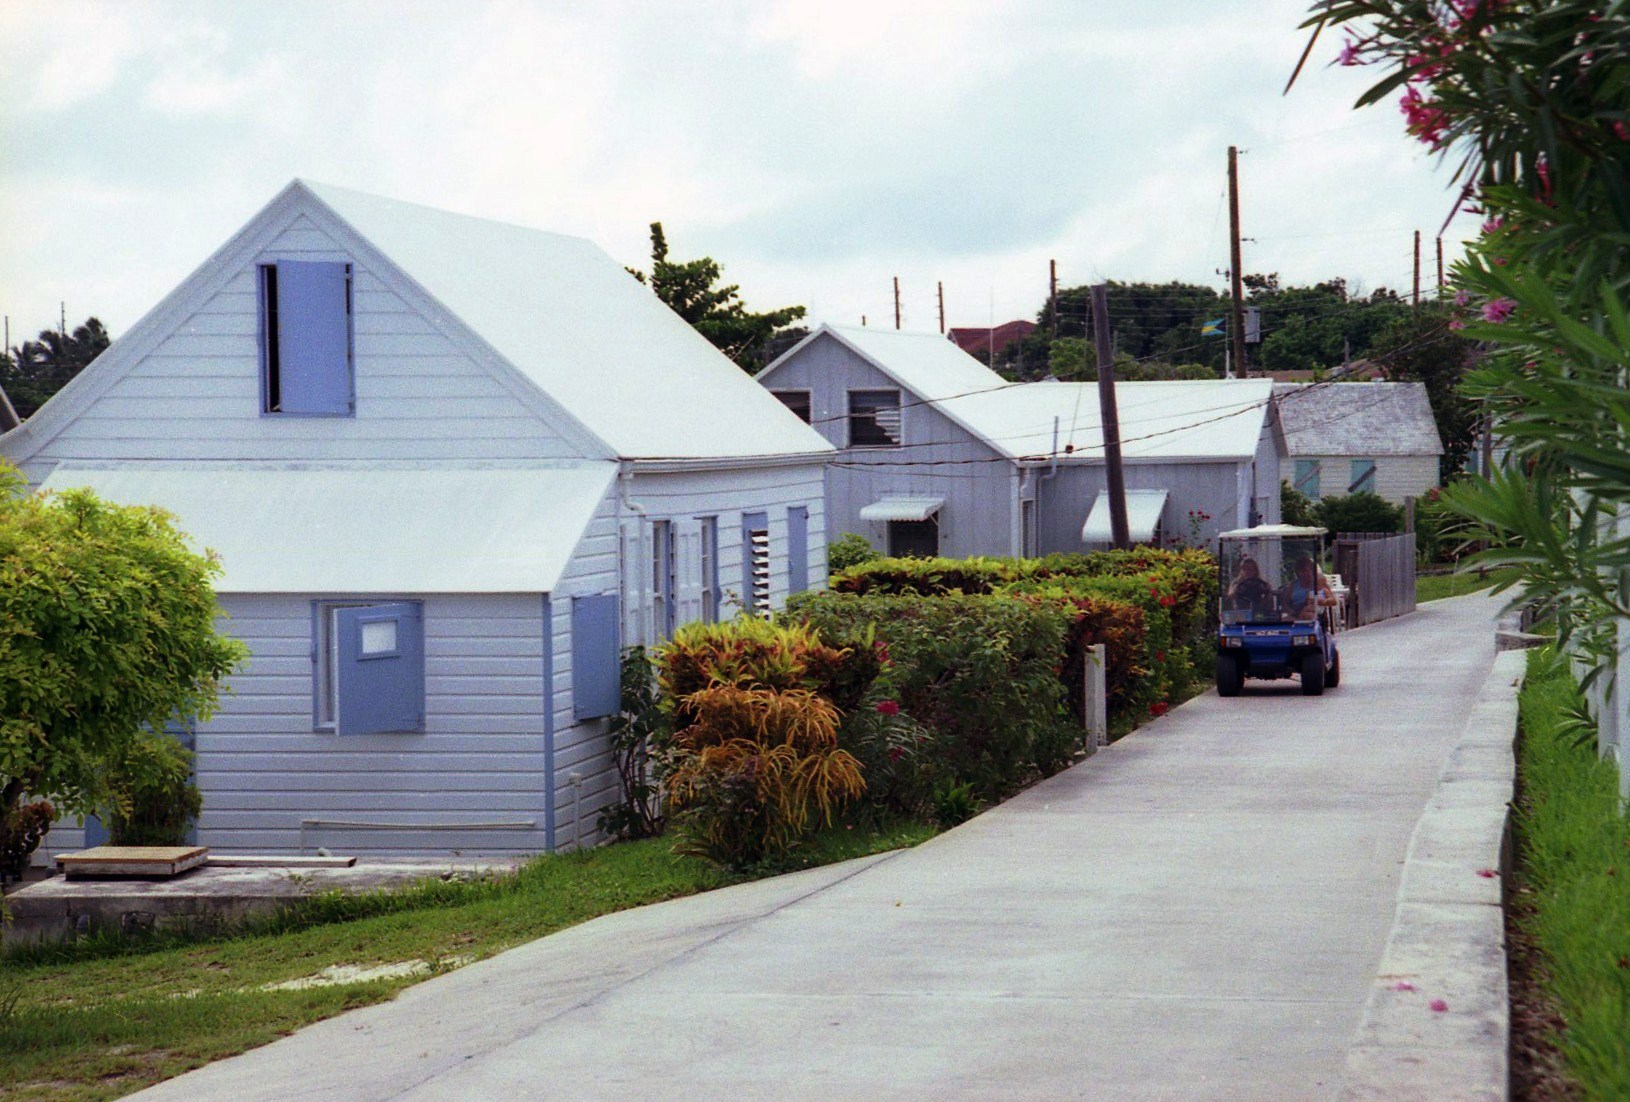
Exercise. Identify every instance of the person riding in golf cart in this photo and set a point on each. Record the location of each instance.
(1274, 620)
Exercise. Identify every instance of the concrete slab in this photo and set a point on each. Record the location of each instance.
(208, 896)
(1194, 913)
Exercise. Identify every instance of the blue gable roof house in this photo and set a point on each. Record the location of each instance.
(451, 467)
(941, 455)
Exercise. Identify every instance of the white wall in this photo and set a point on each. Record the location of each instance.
(1396, 476)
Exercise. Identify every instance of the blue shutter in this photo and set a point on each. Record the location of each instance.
(1307, 477)
(797, 549)
(596, 680)
(95, 833)
(1363, 477)
(380, 669)
(313, 337)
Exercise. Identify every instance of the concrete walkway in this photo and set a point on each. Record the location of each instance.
(1195, 913)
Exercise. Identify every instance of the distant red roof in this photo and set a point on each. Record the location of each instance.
(980, 342)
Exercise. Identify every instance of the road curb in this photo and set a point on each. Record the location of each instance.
(1437, 1022)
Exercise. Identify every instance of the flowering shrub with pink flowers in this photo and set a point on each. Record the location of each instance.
(1530, 100)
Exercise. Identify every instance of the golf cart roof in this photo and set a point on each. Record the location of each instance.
(1271, 531)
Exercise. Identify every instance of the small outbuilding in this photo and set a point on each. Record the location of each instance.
(940, 455)
(1344, 438)
(452, 468)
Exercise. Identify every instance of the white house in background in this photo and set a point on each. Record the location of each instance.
(1343, 438)
(939, 454)
(451, 467)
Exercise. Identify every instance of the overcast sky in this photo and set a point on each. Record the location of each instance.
(816, 149)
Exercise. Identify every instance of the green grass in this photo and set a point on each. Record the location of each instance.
(104, 1018)
(1573, 844)
(1435, 587)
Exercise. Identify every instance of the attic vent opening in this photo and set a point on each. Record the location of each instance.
(874, 418)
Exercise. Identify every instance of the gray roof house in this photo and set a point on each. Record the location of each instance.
(939, 454)
(451, 468)
(1344, 438)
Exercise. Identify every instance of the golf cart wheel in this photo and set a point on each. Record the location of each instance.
(1313, 675)
(1332, 677)
(1230, 678)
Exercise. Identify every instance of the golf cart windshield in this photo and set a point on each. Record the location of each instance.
(1269, 579)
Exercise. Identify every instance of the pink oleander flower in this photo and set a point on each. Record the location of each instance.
(1457, 324)
(1423, 117)
(1462, 298)
(1493, 224)
(1349, 53)
(1498, 310)
(1438, 1006)
(1403, 985)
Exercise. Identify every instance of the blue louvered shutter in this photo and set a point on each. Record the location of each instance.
(1363, 477)
(797, 549)
(380, 669)
(596, 680)
(313, 337)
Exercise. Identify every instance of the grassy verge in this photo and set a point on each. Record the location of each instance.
(103, 1019)
(1574, 869)
(1435, 587)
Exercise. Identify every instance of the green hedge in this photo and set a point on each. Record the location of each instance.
(981, 672)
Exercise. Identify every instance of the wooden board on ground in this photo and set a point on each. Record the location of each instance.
(247, 861)
(132, 861)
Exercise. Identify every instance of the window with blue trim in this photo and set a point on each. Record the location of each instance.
(306, 342)
(1363, 477)
(368, 666)
(710, 568)
(1307, 477)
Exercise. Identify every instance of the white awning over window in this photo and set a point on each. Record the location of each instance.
(902, 508)
(1143, 509)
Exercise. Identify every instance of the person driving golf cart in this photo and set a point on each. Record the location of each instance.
(1308, 590)
(1249, 589)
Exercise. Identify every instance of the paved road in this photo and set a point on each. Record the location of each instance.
(1195, 913)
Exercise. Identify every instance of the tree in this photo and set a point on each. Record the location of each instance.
(107, 627)
(718, 313)
(37, 370)
(1360, 512)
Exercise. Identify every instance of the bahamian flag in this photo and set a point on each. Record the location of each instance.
(1212, 328)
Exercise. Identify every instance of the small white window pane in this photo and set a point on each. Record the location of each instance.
(379, 637)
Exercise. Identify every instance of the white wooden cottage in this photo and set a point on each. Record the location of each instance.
(451, 468)
(1344, 438)
(941, 455)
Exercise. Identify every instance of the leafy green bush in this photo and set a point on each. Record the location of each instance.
(926, 576)
(636, 733)
(1360, 512)
(152, 798)
(1439, 531)
(980, 671)
(849, 549)
(107, 625)
(1296, 507)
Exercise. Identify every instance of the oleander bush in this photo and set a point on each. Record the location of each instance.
(849, 549)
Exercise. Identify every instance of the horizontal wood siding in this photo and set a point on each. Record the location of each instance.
(196, 396)
(1219, 489)
(1396, 476)
(939, 457)
(263, 768)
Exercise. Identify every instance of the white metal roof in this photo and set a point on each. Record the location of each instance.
(1220, 419)
(927, 364)
(373, 530)
(1143, 509)
(574, 322)
(902, 507)
(1357, 419)
(1271, 531)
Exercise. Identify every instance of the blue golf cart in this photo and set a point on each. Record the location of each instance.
(1276, 617)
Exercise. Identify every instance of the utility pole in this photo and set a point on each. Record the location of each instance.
(897, 302)
(1052, 295)
(62, 322)
(1440, 265)
(1236, 323)
(1110, 419)
(942, 307)
(1416, 297)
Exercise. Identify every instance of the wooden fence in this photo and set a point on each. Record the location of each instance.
(1379, 569)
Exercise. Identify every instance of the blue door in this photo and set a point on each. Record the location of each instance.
(380, 669)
